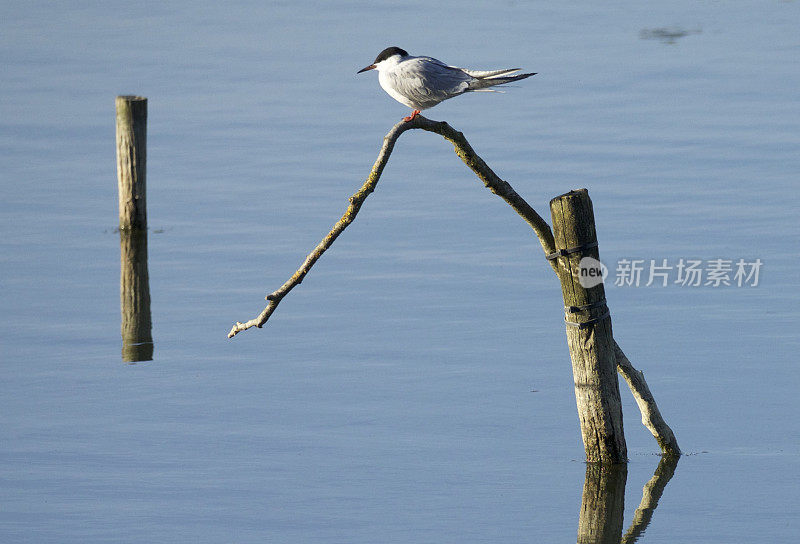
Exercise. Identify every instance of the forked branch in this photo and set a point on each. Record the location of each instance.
(650, 413)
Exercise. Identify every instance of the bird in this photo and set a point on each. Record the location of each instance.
(422, 82)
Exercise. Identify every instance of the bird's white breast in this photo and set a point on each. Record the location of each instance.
(389, 83)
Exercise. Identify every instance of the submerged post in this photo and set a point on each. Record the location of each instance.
(132, 161)
(589, 336)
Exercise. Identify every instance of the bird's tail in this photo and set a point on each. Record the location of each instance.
(486, 79)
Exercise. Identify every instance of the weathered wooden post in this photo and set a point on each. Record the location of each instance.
(589, 336)
(132, 161)
(134, 283)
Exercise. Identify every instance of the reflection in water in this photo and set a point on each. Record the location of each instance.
(650, 495)
(134, 294)
(666, 35)
(603, 502)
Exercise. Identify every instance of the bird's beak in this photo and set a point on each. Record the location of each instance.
(370, 67)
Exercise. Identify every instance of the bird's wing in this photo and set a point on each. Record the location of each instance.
(428, 81)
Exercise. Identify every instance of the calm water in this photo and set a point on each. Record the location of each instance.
(417, 386)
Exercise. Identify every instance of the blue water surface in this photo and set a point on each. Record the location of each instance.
(417, 386)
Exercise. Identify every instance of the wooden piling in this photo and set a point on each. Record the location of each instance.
(589, 335)
(134, 282)
(132, 161)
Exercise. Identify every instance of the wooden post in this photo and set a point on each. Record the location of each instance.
(589, 335)
(134, 282)
(132, 161)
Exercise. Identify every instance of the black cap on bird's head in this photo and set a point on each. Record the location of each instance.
(383, 55)
(390, 52)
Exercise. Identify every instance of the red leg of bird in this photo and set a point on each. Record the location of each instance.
(411, 117)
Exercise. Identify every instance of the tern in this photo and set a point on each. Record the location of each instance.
(422, 82)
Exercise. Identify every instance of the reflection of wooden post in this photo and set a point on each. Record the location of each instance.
(132, 161)
(134, 283)
(591, 344)
(650, 496)
(134, 294)
(602, 504)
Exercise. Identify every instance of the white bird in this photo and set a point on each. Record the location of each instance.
(422, 82)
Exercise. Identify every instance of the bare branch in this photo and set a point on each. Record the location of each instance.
(491, 180)
(462, 149)
(651, 417)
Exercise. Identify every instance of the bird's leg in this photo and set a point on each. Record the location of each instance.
(412, 116)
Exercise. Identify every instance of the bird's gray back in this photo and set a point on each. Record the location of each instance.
(427, 81)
